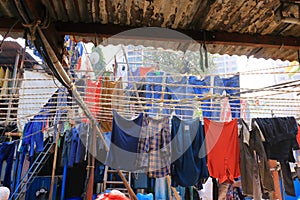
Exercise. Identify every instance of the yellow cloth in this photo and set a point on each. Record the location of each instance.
(2, 75)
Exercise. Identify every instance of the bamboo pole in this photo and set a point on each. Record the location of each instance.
(89, 193)
(54, 165)
(78, 99)
(12, 85)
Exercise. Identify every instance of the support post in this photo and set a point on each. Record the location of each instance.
(54, 165)
(78, 98)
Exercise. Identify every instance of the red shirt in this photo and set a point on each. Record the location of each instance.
(223, 149)
(92, 97)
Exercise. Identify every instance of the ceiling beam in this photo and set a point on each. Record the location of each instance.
(7, 23)
(224, 38)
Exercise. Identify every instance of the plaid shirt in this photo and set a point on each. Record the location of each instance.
(154, 147)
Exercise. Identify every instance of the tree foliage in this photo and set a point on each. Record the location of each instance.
(179, 62)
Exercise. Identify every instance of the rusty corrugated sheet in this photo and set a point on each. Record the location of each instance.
(250, 16)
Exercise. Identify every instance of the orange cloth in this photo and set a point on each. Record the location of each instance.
(145, 70)
(223, 149)
(110, 98)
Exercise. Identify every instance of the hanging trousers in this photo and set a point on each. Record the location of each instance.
(250, 169)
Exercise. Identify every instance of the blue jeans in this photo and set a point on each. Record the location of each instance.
(161, 189)
(7, 151)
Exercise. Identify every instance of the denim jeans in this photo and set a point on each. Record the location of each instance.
(161, 189)
(7, 151)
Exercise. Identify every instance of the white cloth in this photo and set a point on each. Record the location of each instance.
(33, 95)
(4, 193)
(207, 192)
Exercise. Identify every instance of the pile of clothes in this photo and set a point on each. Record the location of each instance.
(113, 195)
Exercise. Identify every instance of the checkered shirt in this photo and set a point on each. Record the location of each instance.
(154, 147)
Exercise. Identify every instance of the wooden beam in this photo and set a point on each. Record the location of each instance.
(7, 23)
(223, 38)
(108, 30)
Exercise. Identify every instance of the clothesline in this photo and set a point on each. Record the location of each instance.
(122, 98)
(159, 84)
(106, 113)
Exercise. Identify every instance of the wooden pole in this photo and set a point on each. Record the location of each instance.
(12, 85)
(128, 187)
(172, 188)
(273, 167)
(89, 193)
(54, 165)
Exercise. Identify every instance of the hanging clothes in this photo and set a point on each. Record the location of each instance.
(155, 91)
(145, 70)
(232, 88)
(118, 96)
(124, 142)
(109, 88)
(280, 135)
(201, 88)
(92, 97)
(33, 135)
(61, 112)
(83, 130)
(154, 150)
(225, 115)
(181, 90)
(2, 76)
(70, 147)
(223, 149)
(7, 150)
(188, 153)
(254, 172)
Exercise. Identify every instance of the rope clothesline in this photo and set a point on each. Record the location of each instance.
(282, 104)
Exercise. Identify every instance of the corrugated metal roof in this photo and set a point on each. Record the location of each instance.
(250, 16)
(9, 51)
